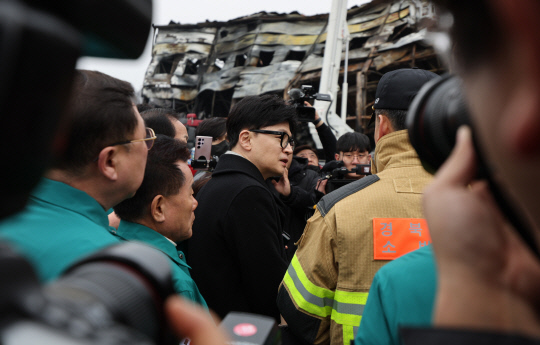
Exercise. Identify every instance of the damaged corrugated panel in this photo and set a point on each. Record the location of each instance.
(270, 53)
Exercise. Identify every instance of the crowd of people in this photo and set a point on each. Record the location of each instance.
(263, 234)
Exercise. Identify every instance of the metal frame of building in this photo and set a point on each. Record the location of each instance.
(207, 67)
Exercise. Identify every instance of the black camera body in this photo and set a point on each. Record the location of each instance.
(306, 94)
(335, 172)
(114, 297)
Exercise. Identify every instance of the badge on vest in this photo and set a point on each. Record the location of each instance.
(394, 237)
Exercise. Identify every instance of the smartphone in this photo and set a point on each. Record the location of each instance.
(203, 148)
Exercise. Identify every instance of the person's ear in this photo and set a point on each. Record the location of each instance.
(521, 123)
(157, 208)
(244, 140)
(385, 127)
(108, 161)
(336, 156)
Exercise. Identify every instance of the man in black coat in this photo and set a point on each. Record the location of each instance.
(237, 252)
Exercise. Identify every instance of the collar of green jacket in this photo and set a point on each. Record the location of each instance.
(392, 149)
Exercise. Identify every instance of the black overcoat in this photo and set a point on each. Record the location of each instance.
(236, 252)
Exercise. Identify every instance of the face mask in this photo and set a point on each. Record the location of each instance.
(221, 148)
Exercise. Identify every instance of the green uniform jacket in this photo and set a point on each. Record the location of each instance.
(402, 294)
(324, 291)
(183, 283)
(59, 225)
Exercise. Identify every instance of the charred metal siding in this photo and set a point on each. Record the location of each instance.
(198, 67)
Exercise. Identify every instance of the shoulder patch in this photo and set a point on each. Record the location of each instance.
(329, 200)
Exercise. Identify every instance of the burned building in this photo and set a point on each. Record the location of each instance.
(204, 68)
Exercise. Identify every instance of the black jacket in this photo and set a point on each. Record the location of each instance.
(237, 253)
(298, 206)
(328, 141)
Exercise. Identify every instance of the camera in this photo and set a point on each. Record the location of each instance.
(435, 115)
(335, 173)
(112, 297)
(306, 94)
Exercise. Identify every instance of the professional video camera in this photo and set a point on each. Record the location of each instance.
(115, 296)
(335, 172)
(434, 117)
(306, 94)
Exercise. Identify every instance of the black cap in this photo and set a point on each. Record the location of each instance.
(397, 89)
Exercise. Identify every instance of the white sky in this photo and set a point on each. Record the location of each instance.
(196, 11)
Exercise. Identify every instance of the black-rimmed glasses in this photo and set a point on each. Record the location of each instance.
(285, 139)
(148, 140)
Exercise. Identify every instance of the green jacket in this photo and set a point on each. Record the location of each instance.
(183, 283)
(402, 294)
(59, 225)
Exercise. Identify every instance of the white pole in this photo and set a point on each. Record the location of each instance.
(332, 52)
(337, 20)
(345, 88)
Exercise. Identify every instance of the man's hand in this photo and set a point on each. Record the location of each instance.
(191, 321)
(317, 117)
(488, 278)
(321, 185)
(283, 186)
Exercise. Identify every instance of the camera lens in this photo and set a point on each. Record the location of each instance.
(433, 119)
(123, 285)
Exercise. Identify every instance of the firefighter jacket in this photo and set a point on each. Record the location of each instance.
(323, 293)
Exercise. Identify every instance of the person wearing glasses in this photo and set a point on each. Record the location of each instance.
(237, 253)
(353, 149)
(102, 164)
(324, 291)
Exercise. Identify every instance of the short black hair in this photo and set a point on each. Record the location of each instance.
(397, 117)
(161, 177)
(214, 127)
(159, 121)
(254, 112)
(353, 141)
(305, 147)
(101, 112)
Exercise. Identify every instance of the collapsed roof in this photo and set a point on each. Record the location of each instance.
(204, 68)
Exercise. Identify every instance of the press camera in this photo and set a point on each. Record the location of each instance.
(335, 172)
(305, 94)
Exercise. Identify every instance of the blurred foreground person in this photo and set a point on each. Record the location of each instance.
(45, 121)
(107, 145)
(489, 280)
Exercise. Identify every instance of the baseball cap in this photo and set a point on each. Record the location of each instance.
(397, 89)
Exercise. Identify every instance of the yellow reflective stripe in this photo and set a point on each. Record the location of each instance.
(348, 334)
(309, 297)
(349, 307)
(344, 307)
(350, 297)
(346, 319)
(310, 287)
